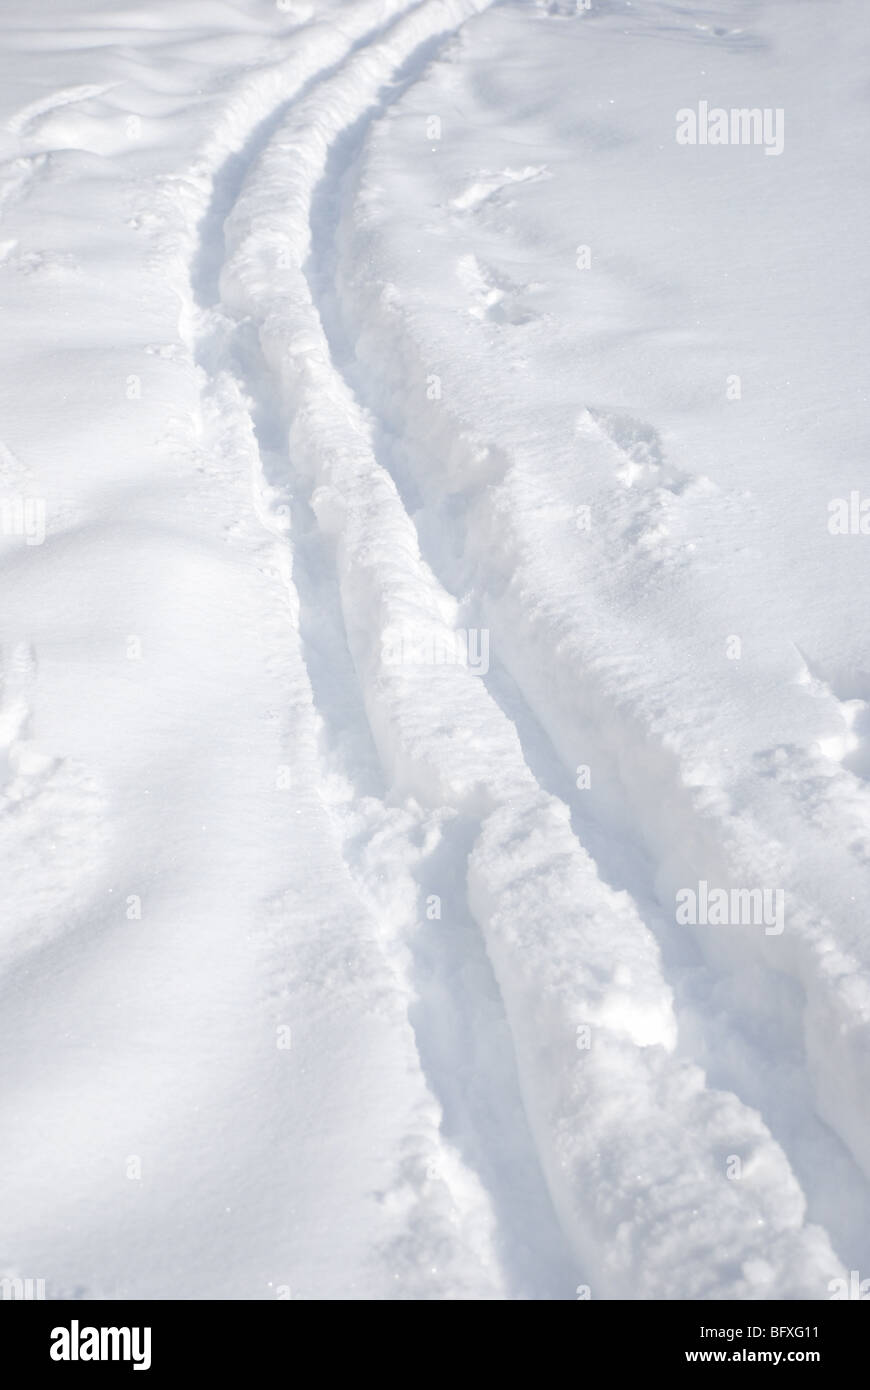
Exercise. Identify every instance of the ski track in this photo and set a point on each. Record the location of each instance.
(514, 1159)
(462, 1040)
(325, 417)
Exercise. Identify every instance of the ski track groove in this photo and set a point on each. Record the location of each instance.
(530, 1243)
(288, 142)
(296, 295)
(440, 988)
(338, 484)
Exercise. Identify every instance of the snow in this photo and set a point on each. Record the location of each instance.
(417, 468)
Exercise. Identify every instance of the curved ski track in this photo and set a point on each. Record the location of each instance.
(537, 939)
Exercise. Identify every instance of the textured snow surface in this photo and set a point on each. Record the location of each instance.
(434, 654)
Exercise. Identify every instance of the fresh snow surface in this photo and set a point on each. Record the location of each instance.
(422, 576)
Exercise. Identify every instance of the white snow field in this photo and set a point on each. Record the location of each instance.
(435, 687)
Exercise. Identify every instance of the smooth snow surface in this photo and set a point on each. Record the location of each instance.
(433, 568)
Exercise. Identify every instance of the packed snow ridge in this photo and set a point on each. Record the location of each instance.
(435, 683)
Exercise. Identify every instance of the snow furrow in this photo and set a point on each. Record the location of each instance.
(434, 676)
(442, 1220)
(337, 967)
(579, 973)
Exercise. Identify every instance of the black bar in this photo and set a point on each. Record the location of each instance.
(220, 1339)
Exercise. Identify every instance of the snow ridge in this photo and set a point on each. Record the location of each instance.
(570, 954)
